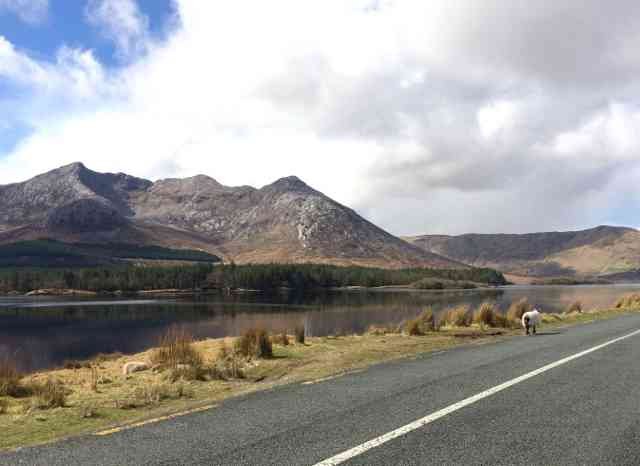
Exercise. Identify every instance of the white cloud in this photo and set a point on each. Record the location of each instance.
(445, 116)
(29, 11)
(496, 116)
(122, 22)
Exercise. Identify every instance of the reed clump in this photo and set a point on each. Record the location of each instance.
(281, 339)
(229, 364)
(425, 322)
(459, 316)
(485, 315)
(10, 379)
(575, 307)
(176, 348)
(49, 394)
(254, 343)
(629, 301)
(517, 309)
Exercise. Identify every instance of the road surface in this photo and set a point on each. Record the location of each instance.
(582, 408)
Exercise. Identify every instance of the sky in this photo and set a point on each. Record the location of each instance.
(446, 116)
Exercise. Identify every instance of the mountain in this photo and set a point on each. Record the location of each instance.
(600, 251)
(286, 221)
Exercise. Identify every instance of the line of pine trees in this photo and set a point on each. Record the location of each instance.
(250, 276)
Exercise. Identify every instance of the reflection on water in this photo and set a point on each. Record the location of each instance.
(43, 332)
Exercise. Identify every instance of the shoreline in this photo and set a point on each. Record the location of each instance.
(99, 394)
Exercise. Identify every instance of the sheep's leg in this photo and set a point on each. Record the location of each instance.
(526, 326)
(534, 329)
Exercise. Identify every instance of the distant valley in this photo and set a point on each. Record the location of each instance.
(604, 251)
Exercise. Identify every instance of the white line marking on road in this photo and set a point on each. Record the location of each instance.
(376, 442)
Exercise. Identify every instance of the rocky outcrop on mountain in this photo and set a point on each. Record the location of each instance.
(597, 251)
(286, 221)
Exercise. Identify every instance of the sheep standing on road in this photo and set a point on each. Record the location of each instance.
(530, 320)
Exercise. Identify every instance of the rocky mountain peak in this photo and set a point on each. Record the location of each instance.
(286, 221)
(290, 184)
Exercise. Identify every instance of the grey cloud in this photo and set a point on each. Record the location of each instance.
(562, 63)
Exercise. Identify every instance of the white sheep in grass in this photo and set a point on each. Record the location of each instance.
(530, 320)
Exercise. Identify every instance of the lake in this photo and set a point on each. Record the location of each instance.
(44, 332)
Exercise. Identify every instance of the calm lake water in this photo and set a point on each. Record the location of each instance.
(44, 332)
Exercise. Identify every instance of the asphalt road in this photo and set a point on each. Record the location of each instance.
(586, 411)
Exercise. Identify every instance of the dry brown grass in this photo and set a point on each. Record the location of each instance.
(459, 316)
(517, 309)
(629, 301)
(488, 315)
(229, 364)
(485, 315)
(380, 330)
(4, 404)
(281, 339)
(176, 347)
(254, 343)
(574, 307)
(50, 394)
(425, 322)
(10, 378)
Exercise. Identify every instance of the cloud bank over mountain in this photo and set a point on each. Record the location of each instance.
(427, 117)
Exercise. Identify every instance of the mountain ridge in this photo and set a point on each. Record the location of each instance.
(284, 221)
(599, 251)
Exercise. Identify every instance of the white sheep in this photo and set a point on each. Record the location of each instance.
(530, 320)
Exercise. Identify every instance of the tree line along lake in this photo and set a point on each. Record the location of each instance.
(43, 332)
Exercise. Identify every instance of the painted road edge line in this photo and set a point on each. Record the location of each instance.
(376, 442)
(115, 430)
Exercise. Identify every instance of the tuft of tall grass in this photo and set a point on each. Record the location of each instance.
(629, 301)
(486, 315)
(10, 378)
(281, 339)
(254, 343)
(517, 309)
(229, 364)
(50, 394)
(459, 316)
(176, 348)
(575, 307)
(425, 322)
(380, 330)
(4, 406)
(93, 381)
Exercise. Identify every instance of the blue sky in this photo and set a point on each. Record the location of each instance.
(434, 116)
(65, 23)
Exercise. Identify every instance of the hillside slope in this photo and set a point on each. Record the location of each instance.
(286, 221)
(598, 251)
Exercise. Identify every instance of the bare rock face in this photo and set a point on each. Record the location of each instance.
(286, 221)
(85, 215)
